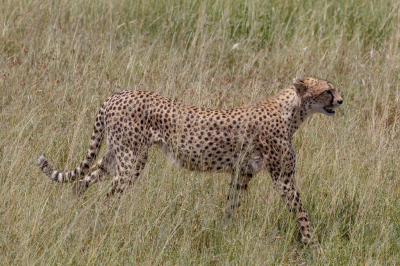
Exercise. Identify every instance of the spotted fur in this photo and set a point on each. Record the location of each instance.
(242, 141)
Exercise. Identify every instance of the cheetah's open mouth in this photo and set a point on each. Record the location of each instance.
(329, 110)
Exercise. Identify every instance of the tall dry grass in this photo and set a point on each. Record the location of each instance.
(59, 60)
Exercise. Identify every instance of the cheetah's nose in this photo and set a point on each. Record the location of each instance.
(340, 101)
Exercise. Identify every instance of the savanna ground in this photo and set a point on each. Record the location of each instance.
(59, 60)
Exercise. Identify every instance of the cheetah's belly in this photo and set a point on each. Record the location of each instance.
(212, 162)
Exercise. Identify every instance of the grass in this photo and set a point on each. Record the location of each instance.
(59, 60)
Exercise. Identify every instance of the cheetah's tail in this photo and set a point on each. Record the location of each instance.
(83, 168)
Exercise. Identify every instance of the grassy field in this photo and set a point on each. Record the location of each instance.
(59, 60)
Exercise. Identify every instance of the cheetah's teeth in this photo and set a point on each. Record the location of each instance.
(329, 111)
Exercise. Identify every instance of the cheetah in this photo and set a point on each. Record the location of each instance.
(241, 141)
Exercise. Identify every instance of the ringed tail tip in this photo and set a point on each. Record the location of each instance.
(42, 162)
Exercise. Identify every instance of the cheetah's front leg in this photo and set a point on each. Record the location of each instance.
(291, 197)
(282, 172)
(236, 192)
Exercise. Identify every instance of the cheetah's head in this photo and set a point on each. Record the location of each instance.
(320, 96)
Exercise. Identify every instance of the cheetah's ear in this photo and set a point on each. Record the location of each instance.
(300, 86)
(298, 81)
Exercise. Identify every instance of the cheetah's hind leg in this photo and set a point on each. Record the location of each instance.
(103, 169)
(127, 172)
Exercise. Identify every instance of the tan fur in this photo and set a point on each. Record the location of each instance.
(242, 140)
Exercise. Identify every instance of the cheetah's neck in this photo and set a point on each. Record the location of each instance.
(294, 108)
